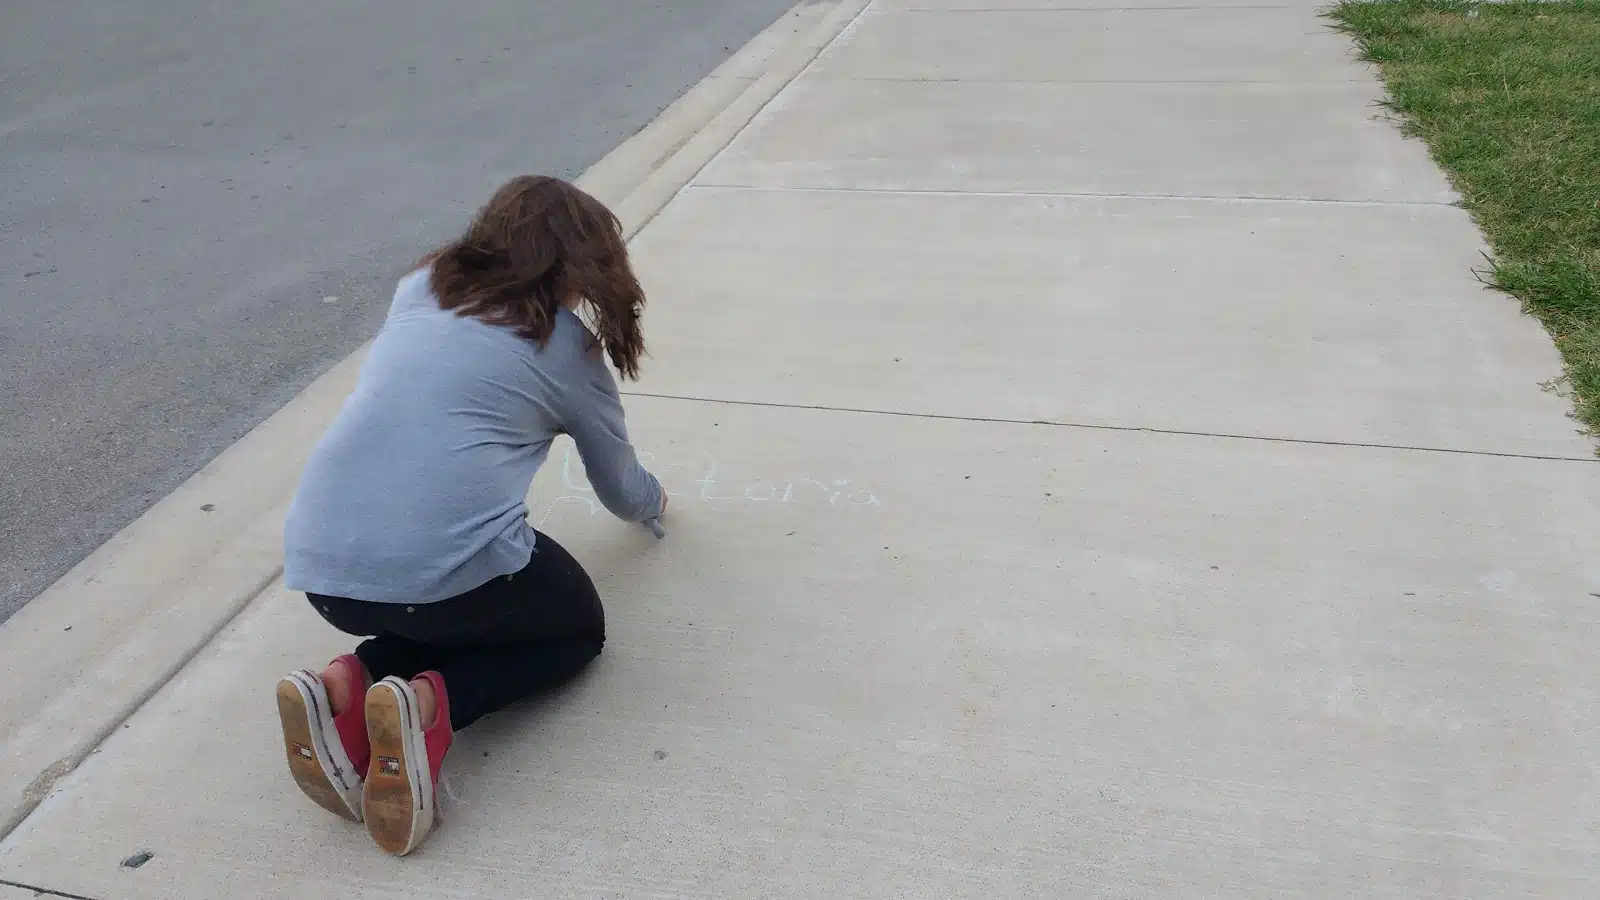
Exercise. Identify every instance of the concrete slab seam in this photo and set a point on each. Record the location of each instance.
(809, 43)
(839, 30)
(1081, 9)
(1089, 426)
(932, 79)
(923, 192)
(40, 788)
(43, 892)
(726, 128)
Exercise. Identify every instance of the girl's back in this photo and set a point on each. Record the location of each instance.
(417, 492)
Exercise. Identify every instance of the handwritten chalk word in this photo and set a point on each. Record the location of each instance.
(711, 484)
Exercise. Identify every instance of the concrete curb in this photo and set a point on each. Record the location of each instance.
(81, 658)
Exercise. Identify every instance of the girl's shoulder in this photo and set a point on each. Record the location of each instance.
(572, 352)
(572, 330)
(414, 288)
(416, 309)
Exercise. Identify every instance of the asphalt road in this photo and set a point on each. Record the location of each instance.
(203, 206)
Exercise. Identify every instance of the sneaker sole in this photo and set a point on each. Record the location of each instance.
(398, 799)
(316, 756)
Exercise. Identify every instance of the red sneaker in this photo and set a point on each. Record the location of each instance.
(327, 754)
(400, 799)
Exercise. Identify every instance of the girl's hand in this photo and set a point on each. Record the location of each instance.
(654, 522)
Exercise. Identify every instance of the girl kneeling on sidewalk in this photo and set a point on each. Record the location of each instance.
(409, 524)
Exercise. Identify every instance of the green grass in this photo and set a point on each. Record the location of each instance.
(1507, 97)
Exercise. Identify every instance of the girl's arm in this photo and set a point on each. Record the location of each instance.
(593, 417)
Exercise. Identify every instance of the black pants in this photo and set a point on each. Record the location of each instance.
(494, 644)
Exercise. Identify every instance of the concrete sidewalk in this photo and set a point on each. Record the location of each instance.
(1096, 473)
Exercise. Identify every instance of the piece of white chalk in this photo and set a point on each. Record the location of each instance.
(655, 528)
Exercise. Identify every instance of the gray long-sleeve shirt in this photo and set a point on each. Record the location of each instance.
(417, 492)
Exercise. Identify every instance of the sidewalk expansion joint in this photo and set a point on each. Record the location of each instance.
(1080, 195)
(42, 892)
(1134, 429)
(935, 79)
(756, 116)
(1084, 9)
(45, 784)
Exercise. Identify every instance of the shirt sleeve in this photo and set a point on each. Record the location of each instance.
(593, 417)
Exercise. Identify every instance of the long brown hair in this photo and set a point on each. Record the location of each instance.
(536, 243)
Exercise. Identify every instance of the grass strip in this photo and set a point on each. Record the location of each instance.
(1507, 97)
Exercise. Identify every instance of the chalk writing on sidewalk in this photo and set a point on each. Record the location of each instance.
(708, 483)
